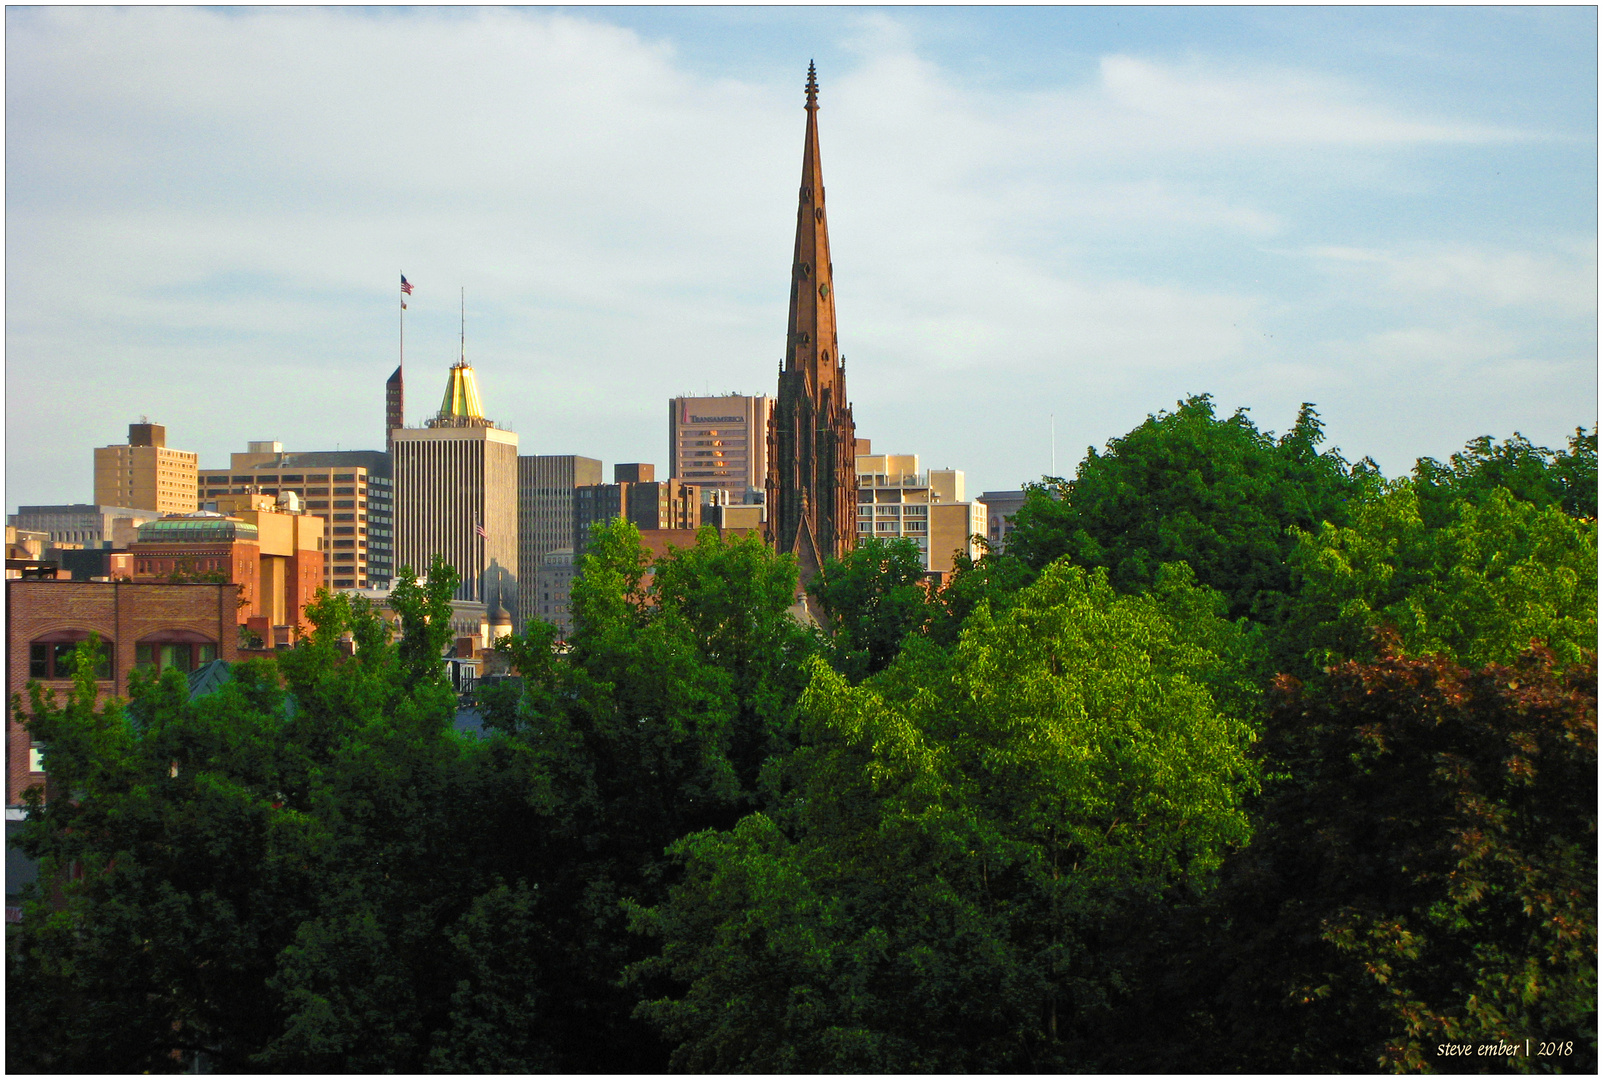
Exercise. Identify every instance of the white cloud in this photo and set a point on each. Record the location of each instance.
(1199, 104)
(1563, 281)
(207, 211)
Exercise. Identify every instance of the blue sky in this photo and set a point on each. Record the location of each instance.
(1040, 217)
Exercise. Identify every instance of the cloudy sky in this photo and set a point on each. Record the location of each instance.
(1040, 218)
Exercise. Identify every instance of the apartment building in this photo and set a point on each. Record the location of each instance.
(898, 498)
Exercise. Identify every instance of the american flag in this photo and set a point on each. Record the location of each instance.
(406, 286)
(479, 528)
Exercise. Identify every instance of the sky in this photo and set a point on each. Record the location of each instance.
(1046, 223)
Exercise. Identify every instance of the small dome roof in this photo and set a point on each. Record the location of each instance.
(189, 528)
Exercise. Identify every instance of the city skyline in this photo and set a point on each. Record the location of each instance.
(1040, 218)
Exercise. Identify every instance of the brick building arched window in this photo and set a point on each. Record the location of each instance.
(183, 649)
(50, 655)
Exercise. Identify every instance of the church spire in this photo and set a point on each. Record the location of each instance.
(812, 346)
(812, 475)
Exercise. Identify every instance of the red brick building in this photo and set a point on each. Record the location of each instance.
(142, 624)
(276, 559)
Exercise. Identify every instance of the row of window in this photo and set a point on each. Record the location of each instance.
(54, 659)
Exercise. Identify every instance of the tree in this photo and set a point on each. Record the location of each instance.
(1424, 870)
(1566, 478)
(279, 875)
(1217, 494)
(657, 719)
(961, 835)
(1490, 577)
(873, 598)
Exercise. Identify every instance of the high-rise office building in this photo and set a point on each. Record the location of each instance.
(895, 498)
(351, 490)
(546, 483)
(456, 495)
(811, 485)
(721, 442)
(146, 474)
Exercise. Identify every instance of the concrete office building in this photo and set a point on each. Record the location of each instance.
(721, 442)
(553, 589)
(546, 485)
(146, 473)
(1000, 506)
(456, 495)
(351, 490)
(895, 498)
(83, 523)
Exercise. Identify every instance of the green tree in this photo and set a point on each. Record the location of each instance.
(1479, 586)
(963, 834)
(656, 719)
(1566, 478)
(280, 876)
(1188, 486)
(872, 598)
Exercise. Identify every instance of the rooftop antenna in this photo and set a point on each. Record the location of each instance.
(463, 357)
(1052, 419)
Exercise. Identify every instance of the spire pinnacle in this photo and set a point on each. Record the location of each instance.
(812, 86)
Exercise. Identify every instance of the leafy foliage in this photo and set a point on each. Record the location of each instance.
(873, 598)
(1044, 818)
(1187, 486)
(959, 835)
(1425, 870)
(1479, 587)
(1566, 478)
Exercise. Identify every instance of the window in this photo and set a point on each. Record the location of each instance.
(50, 657)
(181, 649)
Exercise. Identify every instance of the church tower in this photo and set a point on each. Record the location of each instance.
(812, 475)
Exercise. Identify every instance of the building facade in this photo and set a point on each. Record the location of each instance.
(895, 498)
(83, 523)
(275, 558)
(546, 519)
(553, 590)
(651, 504)
(146, 473)
(721, 442)
(1000, 506)
(811, 483)
(139, 624)
(351, 490)
(456, 495)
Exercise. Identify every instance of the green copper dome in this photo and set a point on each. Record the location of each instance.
(187, 530)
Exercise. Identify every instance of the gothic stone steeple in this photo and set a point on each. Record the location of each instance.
(812, 474)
